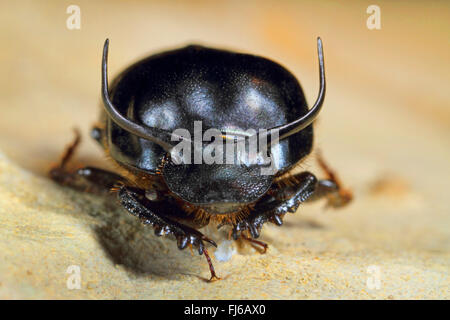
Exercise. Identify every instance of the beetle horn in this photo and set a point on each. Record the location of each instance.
(295, 126)
(158, 136)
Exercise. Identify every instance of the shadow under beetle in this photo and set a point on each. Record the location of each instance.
(228, 91)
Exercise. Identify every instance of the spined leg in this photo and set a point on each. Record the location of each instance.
(286, 195)
(276, 203)
(89, 179)
(157, 215)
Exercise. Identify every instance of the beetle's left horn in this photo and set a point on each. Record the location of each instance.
(295, 126)
(158, 136)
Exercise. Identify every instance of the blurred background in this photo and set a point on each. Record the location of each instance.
(385, 126)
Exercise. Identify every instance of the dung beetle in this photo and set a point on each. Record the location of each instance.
(231, 92)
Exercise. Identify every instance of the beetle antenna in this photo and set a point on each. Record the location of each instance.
(295, 126)
(158, 136)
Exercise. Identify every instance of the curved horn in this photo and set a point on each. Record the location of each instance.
(158, 136)
(295, 126)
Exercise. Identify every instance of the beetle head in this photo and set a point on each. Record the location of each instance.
(222, 186)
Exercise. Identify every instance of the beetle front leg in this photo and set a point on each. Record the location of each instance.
(286, 196)
(156, 214)
(276, 203)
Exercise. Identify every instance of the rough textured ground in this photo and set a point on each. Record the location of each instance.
(385, 128)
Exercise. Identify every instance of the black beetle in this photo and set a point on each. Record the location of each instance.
(230, 91)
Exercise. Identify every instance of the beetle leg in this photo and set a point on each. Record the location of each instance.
(211, 267)
(157, 215)
(89, 179)
(286, 196)
(276, 203)
(264, 245)
(331, 188)
(69, 151)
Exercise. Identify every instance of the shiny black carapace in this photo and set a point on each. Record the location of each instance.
(228, 91)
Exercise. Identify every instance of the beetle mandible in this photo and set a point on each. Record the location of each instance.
(229, 91)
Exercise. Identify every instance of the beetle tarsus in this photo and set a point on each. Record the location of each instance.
(264, 245)
(214, 276)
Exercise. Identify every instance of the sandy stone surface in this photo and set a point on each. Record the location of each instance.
(384, 128)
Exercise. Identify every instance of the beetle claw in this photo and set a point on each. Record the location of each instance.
(182, 242)
(201, 247)
(210, 241)
(252, 226)
(159, 231)
(277, 220)
(253, 230)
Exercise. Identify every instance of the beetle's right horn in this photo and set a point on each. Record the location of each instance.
(301, 123)
(158, 136)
